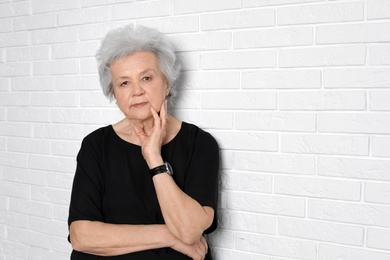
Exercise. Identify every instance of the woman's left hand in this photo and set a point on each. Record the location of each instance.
(151, 144)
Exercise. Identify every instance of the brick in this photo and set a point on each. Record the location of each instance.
(325, 144)
(50, 195)
(32, 83)
(354, 168)
(60, 245)
(379, 100)
(326, 251)
(244, 181)
(28, 114)
(275, 121)
(318, 188)
(28, 53)
(180, 24)
(188, 100)
(250, 100)
(83, 16)
(95, 99)
(21, 8)
(60, 180)
(16, 250)
(280, 37)
(97, 31)
(247, 141)
(282, 79)
(56, 99)
(238, 59)
(222, 238)
(220, 253)
(190, 7)
(47, 254)
(324, 13)
(378, 238)
(6, 10)
(356, 213)
(240, 221)
(16, 129)
(43, 6)
(60, 213)
(13, 219)
(379, 55)
(75, 50)
(56, 67)
(51, 163)
(197, 80)
(276, 246)
(374, 123)
(58, 131)
(15, 69)
(378, 9)
(276, 163)
(13, 189)
(89, 3)
(266, 204)
(353, 33)
(141, 9)
(380, 146)
(88, 66)
(6, 26)
(33, 22)
(322, 100)
(356, 78)
(77, 82)
(192, 60)
(76, 116)
(14, 39)
(28, 237)
(202, 41)
(56, 35)
(258, 3)
(322, 56)
(111, 116)
(13, 159)
(238, 19)
(12, 99)
(24, 176)
(377, 192)
(4, 84)
(28, 146)
(207, 119)
(321, 231)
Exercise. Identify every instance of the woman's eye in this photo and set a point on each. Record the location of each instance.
(146, 78)
(124, 83)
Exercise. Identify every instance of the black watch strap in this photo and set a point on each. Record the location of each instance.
(166, 167)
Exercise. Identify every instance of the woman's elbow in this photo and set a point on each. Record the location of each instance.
(77, 239)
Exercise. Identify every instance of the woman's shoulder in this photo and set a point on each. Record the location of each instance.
(197, 134)
(98, 135)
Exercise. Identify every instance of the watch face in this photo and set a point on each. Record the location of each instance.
(169, 168)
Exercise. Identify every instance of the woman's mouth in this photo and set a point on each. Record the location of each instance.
(140, 104)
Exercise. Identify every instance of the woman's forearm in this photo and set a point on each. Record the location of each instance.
(106, 239)
(185, 218)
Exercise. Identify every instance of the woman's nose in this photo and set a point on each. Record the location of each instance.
(137, 89)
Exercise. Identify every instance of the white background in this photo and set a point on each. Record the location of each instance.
(296, 92)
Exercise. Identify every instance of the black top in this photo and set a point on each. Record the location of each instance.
(112, 182)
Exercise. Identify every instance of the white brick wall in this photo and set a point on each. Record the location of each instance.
(295, 91)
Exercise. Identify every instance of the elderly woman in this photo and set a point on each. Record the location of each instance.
(145, 187)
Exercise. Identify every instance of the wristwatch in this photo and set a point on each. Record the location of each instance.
(166, 167)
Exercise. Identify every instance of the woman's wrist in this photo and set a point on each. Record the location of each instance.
(154, 160)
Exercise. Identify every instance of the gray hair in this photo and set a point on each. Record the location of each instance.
(128, 40)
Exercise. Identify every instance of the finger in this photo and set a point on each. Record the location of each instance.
(156, 117)
(204, 242)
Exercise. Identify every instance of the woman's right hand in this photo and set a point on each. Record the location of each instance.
(196, 251)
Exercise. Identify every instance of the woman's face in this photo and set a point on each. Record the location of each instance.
(138, 85)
